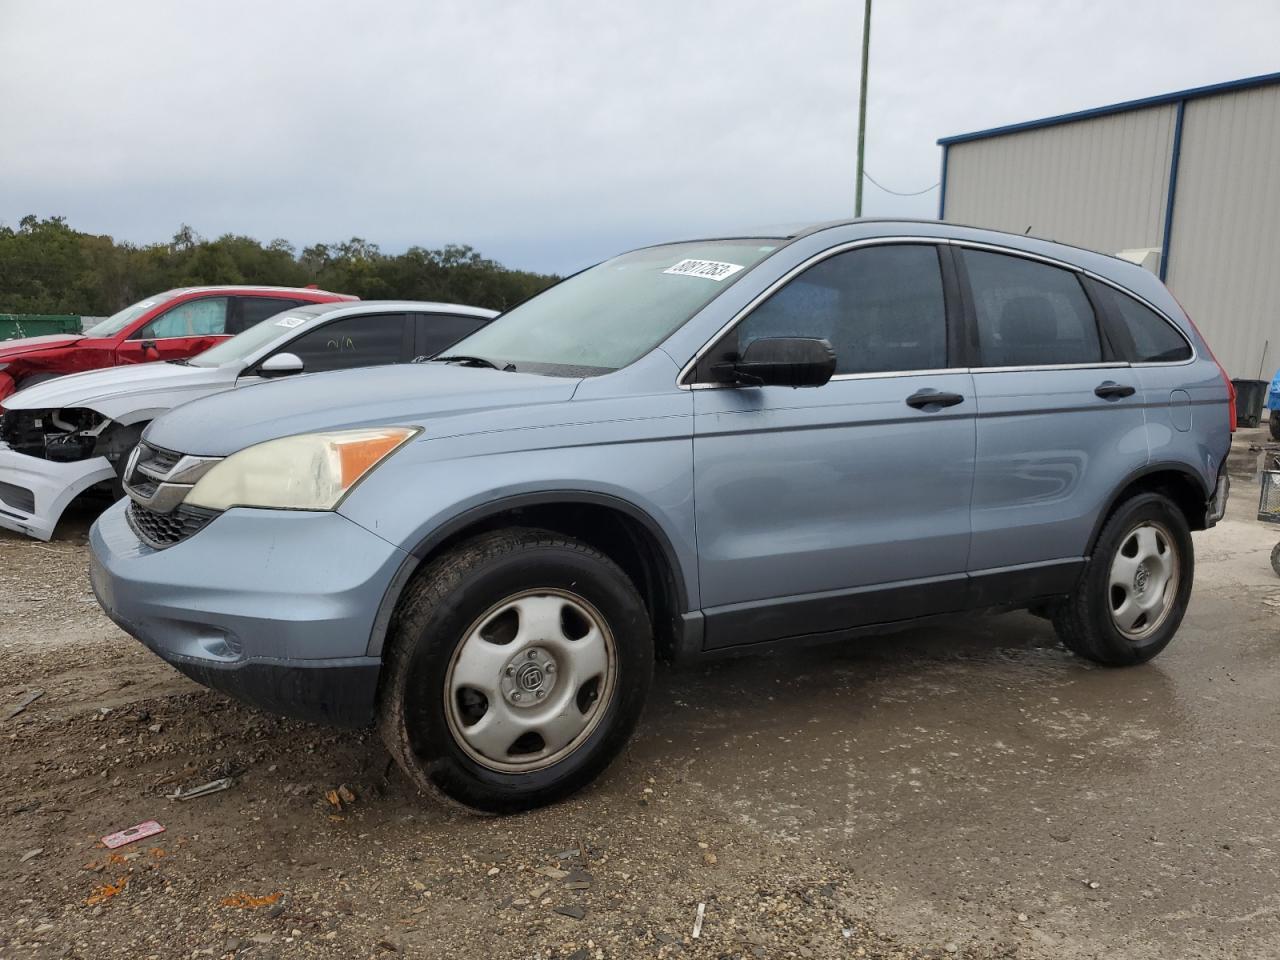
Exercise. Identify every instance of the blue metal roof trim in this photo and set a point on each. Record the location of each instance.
(1263, 80)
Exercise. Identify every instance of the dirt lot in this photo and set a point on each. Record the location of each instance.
(972, 792)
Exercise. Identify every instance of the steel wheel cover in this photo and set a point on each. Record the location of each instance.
(530, 681)
(1143, 582)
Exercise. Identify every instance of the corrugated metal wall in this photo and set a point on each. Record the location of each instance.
(1224, 253)
(1098, 183)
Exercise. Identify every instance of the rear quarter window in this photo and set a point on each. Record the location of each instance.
(1139, 334)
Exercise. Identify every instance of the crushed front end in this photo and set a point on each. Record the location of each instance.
(47, 459)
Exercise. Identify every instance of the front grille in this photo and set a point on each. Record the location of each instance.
(145, 487)
(20, 498)
(161, 530)
(157, 460)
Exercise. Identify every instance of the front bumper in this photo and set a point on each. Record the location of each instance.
(273, 607)
(34, 491)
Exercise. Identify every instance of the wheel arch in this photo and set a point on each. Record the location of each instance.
(129, 418)
(1179, 482)
(620, 529)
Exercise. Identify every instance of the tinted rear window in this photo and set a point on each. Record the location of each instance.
(1139, 334)
(1030, 313)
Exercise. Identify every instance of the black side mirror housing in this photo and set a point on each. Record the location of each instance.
(781, 362)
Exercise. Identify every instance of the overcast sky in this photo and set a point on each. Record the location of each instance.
(548, 133)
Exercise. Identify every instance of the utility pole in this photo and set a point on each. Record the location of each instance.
(862, 104)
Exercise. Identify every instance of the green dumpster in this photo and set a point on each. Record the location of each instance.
(15, 325)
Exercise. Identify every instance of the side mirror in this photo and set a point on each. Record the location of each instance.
(149, 345)
(280, 365)
(781, 362)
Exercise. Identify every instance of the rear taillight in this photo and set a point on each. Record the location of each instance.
(1231, 387)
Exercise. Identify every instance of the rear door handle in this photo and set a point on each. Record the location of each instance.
(923, 399)
(1110, 390)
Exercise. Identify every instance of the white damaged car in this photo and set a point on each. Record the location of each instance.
(73, 434)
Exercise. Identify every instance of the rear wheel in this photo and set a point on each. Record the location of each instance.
(1273, 419)
(517, 668)
(1134, 590)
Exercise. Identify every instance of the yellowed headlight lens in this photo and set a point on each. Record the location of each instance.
(311, 471)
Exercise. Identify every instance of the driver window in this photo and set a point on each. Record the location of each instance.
(882, 308)
(362, 341)
(195, 318)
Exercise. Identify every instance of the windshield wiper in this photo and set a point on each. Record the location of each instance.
(468, 362)
(465, 360)
(180, 362)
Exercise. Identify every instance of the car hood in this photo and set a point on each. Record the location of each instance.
(405, 395)
(115, 389)
(15, 348)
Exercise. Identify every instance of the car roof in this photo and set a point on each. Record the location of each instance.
(382, 306)
(795, 231)
(252, 288)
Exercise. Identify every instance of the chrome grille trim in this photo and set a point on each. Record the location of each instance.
(159, 480)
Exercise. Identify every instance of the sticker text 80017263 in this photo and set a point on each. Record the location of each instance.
(707, 269)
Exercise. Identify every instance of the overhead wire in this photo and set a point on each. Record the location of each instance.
(896, 193)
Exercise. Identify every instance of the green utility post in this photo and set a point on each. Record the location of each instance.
(862, 103)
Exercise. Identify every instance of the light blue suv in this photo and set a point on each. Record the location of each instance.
(689, 448)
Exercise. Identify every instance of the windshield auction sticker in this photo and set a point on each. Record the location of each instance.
(290, 322)
(707, 269)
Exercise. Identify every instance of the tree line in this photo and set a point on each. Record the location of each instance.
(47, 266)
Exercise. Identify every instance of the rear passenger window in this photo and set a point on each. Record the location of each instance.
(881, 307)
(1030, 314)
(1142, 335)
(253, 310)
(436, 331)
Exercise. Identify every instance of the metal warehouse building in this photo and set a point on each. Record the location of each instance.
(1188, 183)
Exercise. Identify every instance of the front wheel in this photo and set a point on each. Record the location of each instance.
(517, 667)
(1273, 420)
(1134, 590)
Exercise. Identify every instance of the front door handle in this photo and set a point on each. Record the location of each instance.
(1110, 390)
(924, 399)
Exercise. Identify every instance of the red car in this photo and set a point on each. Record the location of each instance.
(168, 326)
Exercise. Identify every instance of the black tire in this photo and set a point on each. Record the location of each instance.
(444, 604)
(1275, 559)
(1273, 419)
(1084, 622)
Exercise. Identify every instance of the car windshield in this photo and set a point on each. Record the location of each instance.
(118, 321)
(244, 345)
(610, 315)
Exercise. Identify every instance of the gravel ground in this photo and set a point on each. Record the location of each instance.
(970, 792)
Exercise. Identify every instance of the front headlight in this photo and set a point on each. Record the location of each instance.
(312, 471)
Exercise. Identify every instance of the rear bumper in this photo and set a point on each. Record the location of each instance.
(34, 492)
(1216, 508)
